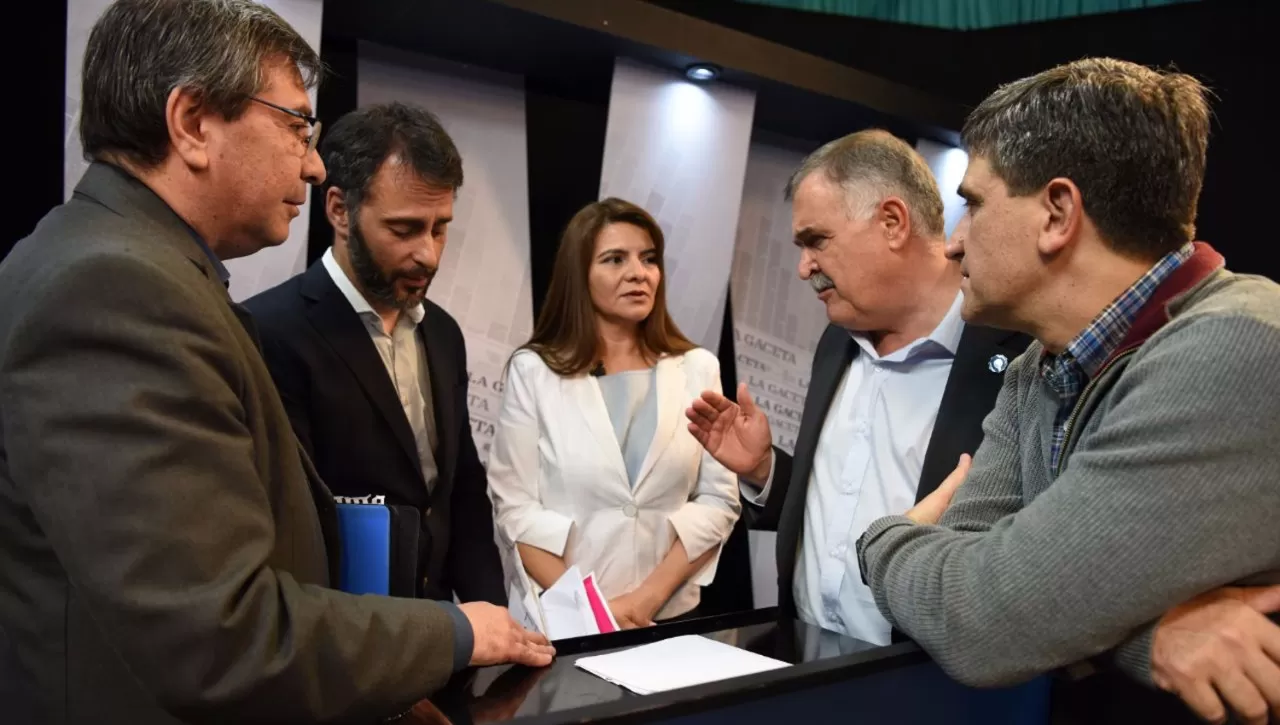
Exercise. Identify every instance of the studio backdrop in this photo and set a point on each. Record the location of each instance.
(484, 279)
(777, 322)
(679, 150)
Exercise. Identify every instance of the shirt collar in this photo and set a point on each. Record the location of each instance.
(945, 335)
(220, 269)
(948, 332)
(353, 295)
(1094, 344)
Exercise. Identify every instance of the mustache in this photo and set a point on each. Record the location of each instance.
(376, 282)
(820, 282)
(418, 274)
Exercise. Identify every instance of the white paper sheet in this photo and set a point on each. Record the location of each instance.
(520, 610)
(566, 609)
(522, 598)
(675, 663)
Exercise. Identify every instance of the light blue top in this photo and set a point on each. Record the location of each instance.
(633, 410)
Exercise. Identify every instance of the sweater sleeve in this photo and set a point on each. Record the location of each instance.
(993, 488)
(1174, 492)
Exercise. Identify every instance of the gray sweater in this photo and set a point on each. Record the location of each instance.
(1169, 487)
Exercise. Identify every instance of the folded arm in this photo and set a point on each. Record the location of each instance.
(513, 475)
(1172, 495)
(704, 522)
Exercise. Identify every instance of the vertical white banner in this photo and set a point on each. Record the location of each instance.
(679, 150)
(948, 164)
(777, 322)
(777, 318)
(249, 275)
(484, 279)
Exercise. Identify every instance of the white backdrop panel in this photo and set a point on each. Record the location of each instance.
(777, 322)
(484, 279)
(679, 150)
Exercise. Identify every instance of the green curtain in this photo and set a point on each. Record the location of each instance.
(965, 14)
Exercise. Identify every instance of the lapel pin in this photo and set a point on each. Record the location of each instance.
(997, 363)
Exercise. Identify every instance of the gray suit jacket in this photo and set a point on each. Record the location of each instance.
(162, 552)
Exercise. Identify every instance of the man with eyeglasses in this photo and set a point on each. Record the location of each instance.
(166, 547)
(306, 122)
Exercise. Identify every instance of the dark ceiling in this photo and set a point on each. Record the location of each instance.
(569, 46)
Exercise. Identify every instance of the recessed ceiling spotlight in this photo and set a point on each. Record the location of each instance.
(702, 72)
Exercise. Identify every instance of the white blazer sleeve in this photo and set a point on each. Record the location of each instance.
(706, 520)
(514, 467)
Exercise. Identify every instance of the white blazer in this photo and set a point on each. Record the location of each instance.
(558, 481)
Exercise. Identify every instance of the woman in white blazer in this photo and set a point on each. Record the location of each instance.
(592, 464)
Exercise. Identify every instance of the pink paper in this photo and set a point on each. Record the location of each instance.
(597, 605)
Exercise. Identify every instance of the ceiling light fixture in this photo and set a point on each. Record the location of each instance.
(702, 72)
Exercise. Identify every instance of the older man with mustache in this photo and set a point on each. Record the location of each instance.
(373, 375)
(899, 385)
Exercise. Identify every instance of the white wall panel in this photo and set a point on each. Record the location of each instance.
(484, 279)
(679, 150)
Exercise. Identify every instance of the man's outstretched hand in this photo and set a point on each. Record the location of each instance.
(736, 434)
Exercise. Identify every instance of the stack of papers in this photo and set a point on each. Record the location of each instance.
(675, 663)
(572, 607)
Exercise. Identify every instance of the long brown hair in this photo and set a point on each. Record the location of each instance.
(565, 335)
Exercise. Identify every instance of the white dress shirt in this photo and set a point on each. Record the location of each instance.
(870, 454)
(404, 355)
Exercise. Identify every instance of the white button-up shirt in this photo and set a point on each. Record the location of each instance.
(870, 454)
(404, 355)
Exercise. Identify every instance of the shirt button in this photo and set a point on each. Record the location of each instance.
(629, 510)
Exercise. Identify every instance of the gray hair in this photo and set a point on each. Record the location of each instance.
(140, 50)
(1131, 138)
(872, 165)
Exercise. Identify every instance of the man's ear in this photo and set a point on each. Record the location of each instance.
(1063, 215)
(895, 219)
(335, 209)
(187, 119)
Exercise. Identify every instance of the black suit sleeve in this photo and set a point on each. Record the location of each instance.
(473, 565)
(766, 518)
(292, 382)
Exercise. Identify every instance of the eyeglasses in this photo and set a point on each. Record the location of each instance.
(311, 120)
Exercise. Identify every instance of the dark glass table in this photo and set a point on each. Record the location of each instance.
(833, 679)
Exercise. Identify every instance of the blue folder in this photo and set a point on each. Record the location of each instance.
(366, 548)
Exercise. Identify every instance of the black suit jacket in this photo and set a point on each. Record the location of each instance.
(968, 398)
(347, 415)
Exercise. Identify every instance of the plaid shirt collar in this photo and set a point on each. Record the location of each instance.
(1066, 373)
